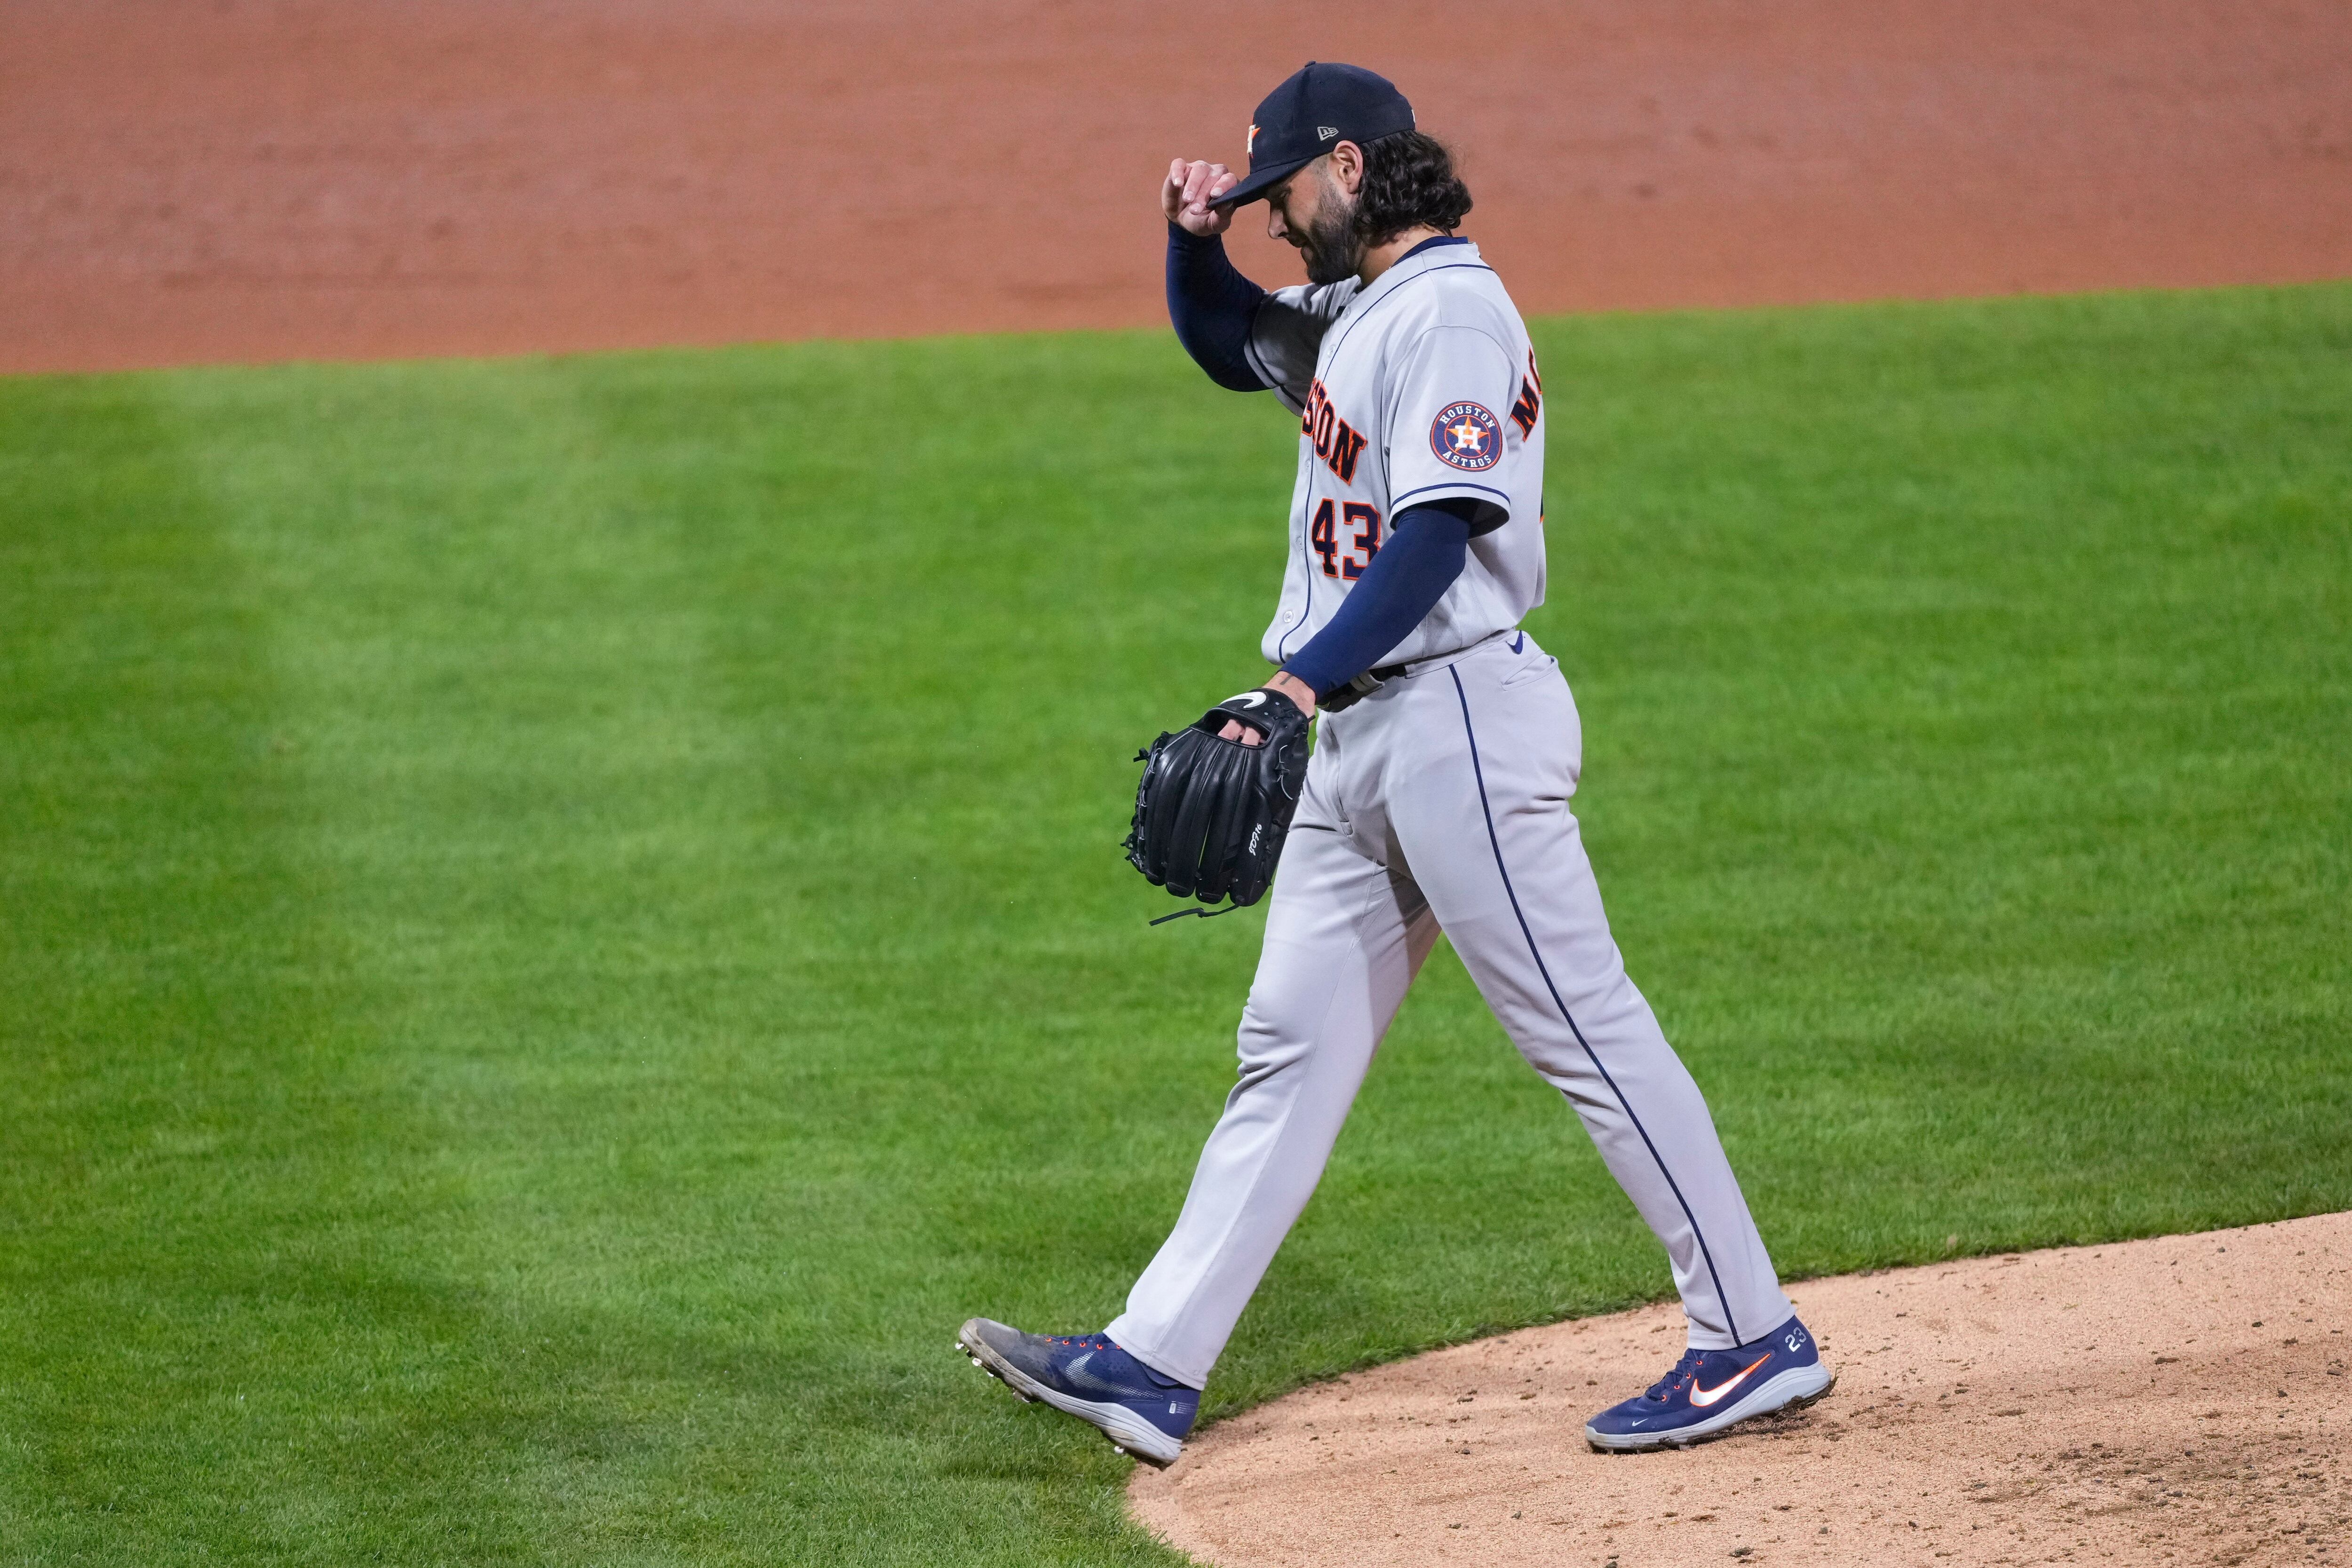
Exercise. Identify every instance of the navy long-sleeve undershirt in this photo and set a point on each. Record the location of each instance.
(1426, 549)
(1213, 305)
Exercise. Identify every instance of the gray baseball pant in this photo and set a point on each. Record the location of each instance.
(1441, 803)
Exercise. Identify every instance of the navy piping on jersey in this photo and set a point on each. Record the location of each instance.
(1479, 773)
(1392, 293)
(1432, 243)
(1306, 574)
(1451, 485)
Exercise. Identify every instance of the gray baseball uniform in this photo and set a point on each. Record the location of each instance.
(1438, 802)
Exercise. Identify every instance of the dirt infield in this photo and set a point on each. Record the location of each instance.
(2187, 1399)
(201, 180)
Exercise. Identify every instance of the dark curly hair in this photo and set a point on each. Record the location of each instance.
(1409, 181)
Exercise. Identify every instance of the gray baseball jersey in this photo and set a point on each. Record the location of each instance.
(1419, 388)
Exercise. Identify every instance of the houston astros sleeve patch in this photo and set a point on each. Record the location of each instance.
(1465, 436)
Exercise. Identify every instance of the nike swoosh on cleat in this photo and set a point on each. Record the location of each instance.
(1078, 1372)
(1702, 1397)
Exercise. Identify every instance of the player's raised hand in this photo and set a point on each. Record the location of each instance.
(1189, 189)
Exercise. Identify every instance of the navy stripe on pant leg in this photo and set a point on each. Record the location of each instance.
(1492, 838)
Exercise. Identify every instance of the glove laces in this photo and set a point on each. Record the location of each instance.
(1203, 914)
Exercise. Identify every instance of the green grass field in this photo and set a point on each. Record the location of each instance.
(559, 921)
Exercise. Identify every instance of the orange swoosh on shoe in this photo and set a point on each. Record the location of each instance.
(1702, 1397)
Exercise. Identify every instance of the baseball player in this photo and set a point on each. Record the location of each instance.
(1437, 795)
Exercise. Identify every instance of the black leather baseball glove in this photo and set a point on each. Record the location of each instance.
(1210, 814)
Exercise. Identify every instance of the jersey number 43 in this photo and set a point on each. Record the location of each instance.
(1344, 557)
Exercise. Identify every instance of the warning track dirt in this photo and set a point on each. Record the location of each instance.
(363, 179)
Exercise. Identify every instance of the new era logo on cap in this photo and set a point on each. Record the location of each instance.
(1325, 133)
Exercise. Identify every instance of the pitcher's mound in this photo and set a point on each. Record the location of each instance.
(2185, 1399)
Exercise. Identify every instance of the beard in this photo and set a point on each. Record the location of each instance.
(1329, 244)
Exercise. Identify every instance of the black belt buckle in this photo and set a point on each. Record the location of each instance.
(1362, 686)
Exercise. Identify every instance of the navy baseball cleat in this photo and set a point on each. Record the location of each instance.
(1709, 1390)
(1086, 1375)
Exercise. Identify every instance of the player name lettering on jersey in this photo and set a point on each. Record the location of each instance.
(1524, 412)
(1336, 441)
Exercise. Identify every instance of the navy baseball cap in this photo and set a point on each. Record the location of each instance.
(1318, 108)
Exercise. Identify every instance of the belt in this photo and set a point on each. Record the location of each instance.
(1438, 660)
(1371, 681)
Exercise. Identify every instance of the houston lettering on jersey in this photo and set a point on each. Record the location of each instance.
(1335, 441)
